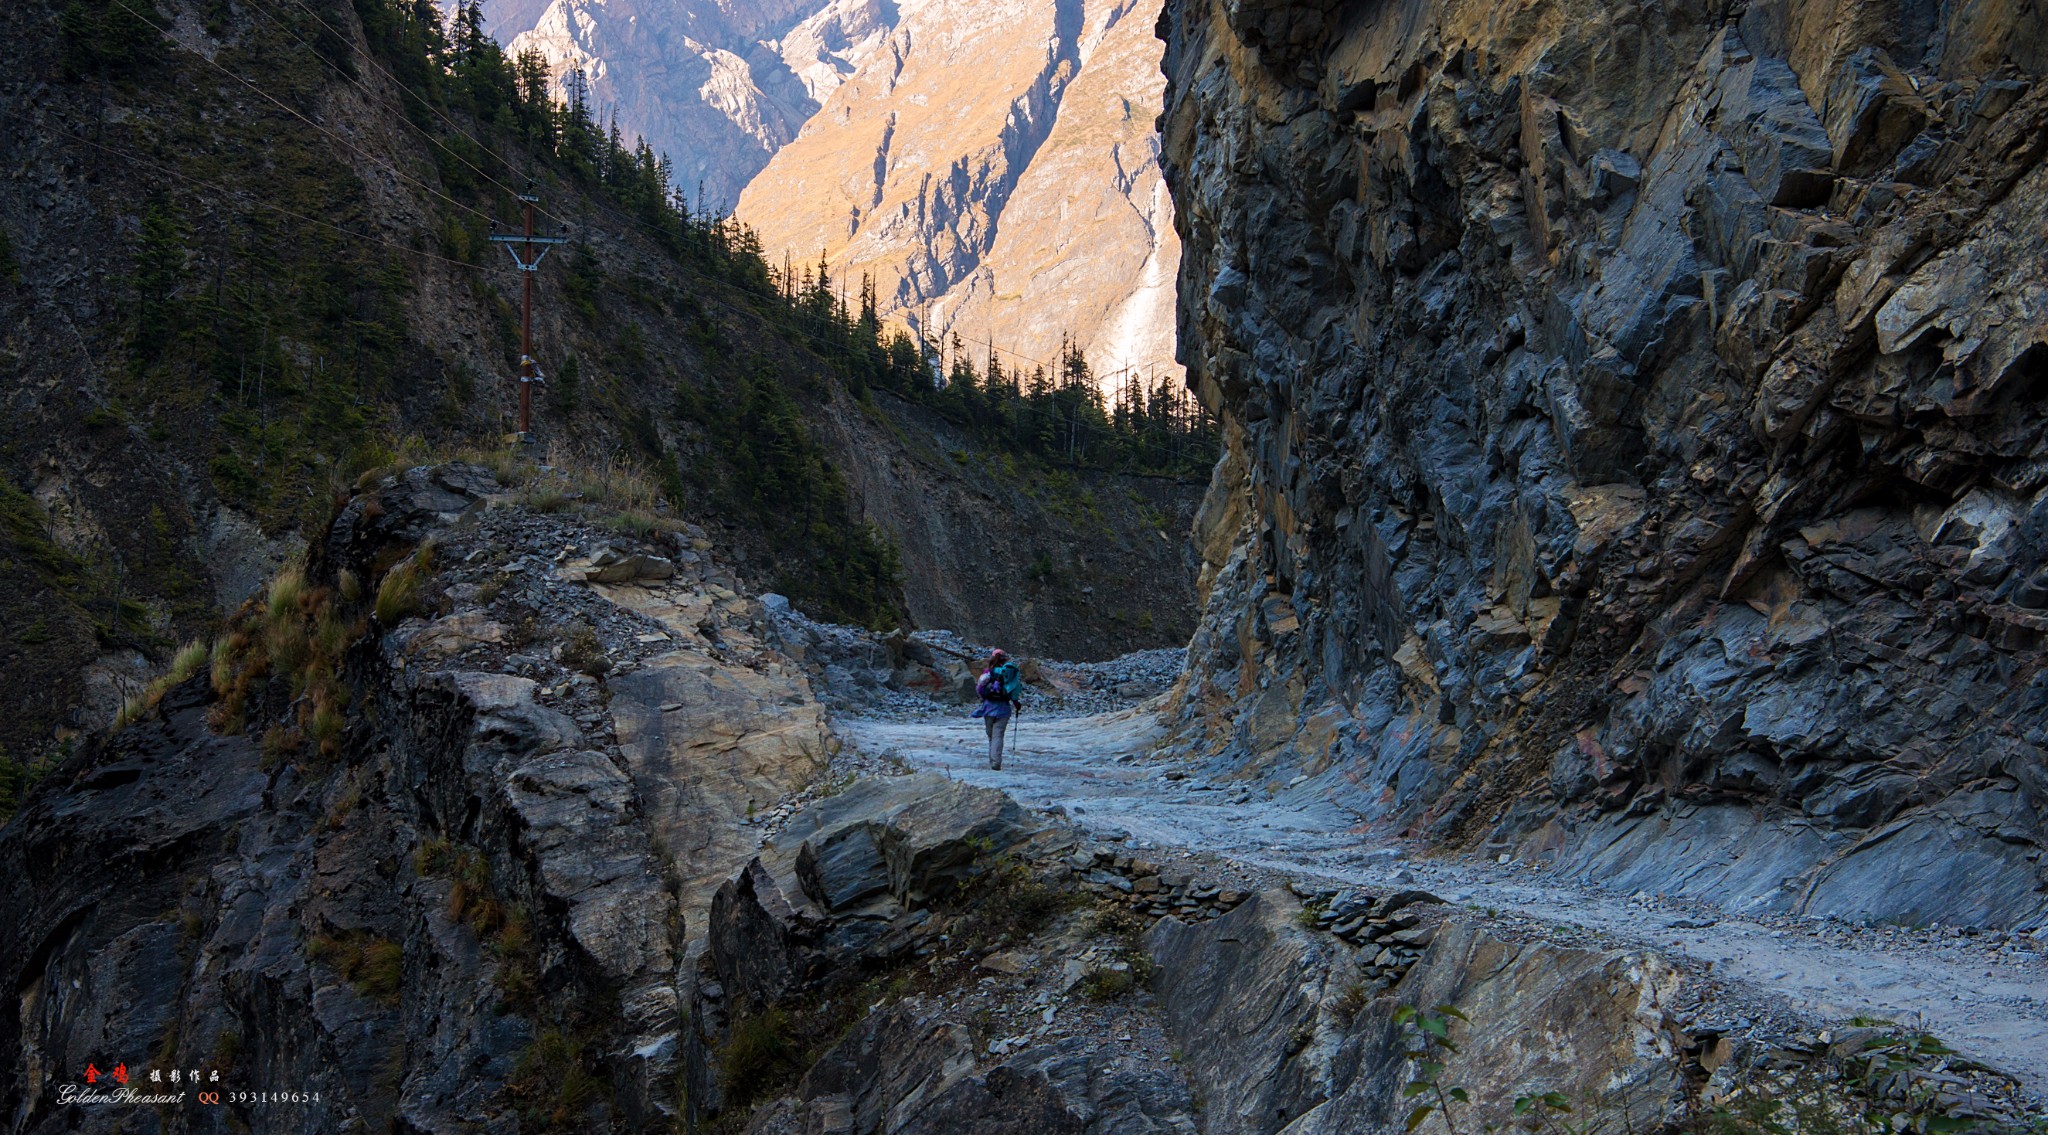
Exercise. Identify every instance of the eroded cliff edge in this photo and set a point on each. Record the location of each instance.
(1635, 423)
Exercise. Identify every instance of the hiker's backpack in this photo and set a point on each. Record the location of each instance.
(991, 686)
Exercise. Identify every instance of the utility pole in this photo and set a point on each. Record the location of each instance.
(527, 252)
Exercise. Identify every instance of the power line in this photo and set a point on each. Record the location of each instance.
(401, 85)
(294, 112)
(443, 116)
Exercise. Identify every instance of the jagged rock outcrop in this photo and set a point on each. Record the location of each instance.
(461, 902)
(995, 170)
(1635, 424)
(1275, 1042)
(701, 79)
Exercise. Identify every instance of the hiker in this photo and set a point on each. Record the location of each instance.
(999, 686)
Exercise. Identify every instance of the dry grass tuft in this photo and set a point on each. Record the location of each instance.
(188, 661)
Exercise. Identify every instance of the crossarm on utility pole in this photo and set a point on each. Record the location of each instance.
(527, 252)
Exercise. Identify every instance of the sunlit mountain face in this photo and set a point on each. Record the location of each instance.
(991, 168)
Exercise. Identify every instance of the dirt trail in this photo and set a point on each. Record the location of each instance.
(1992, 1005)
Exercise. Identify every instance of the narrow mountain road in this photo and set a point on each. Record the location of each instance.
(1990, 1005)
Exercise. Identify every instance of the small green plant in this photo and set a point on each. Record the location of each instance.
(1008, 903)
(471, 901)
(187, 662)
(1353, 999)
(1107, 983)
(436, 856)
(189, 659)
(641, 523)
(518, 976)
(279, 743)
(1548, 1111)
(488, 591)
(549, 497)
(345, 804)
(758, 1055)
(1429, 1041)
(399, 596)
(583, 651)
(286, 590)
(554, 1084)
(374, 965)
(18, 778)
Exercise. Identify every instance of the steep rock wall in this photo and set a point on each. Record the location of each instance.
(700, 79)
(1079, 565)
(995, 170)
(468, 912)
(1636, 424)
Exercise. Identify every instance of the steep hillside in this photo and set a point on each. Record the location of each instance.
(247, 262)
(701, 79)
(994, 167)
(996, 172)
(1636, 433)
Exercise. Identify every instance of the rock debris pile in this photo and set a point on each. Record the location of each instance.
(1146, 887)
(1391, 930)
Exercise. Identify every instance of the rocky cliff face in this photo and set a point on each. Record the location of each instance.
(717, 85)
(995, 169)
(1635, 424)
(459, 903)
(1082, 565)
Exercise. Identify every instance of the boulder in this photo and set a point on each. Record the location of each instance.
(850, 879)
(930, 832)
(905, 1071)
(844, 867)
(612, 566)
(1259, 1007)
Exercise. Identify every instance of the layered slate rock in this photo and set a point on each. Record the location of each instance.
(1277, 1039)
(903, 1072)
(1635, 430)
(858, 885)
(708, 741)
(495, 866)
(851, 880)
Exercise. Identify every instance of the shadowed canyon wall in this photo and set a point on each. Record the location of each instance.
(1636, 432)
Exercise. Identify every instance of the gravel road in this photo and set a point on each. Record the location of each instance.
(1986, 998)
